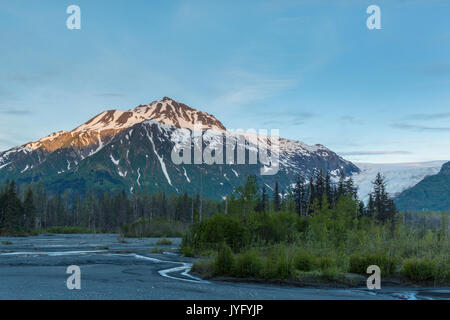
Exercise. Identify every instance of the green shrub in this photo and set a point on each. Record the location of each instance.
(359, 263)
(203, 267)
(224, 261)
(331, 273)
(164, 242)
(419, 269)
(187, 251)
(304, 261)
(279, 264)
(222, 228)
(325, 263)
(67, 230)
(156, 227)
(156, 250)
(248, 264)
(7, 242)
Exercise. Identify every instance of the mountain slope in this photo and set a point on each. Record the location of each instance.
(131, 150)
(432, 193)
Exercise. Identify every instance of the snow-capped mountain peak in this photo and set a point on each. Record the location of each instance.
(165, 111)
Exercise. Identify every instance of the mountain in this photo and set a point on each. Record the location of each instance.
(399, 176)
(132, 150)
(432, 193)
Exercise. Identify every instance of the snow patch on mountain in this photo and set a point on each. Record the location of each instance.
(185, 174)
(161, 160)
(116, 162)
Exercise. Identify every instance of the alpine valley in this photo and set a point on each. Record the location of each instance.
(131, 150)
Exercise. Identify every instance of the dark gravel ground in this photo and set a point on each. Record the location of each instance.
(35, 268)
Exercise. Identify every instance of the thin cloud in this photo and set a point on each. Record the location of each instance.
(241, 88)
(288, 118)
(421, 128)
(350, 119)
(373, 153)
(110, 95)
(428, 116)
(15, 112)
(27, 79)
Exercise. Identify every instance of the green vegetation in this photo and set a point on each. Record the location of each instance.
(321, 234)
(16, 215)
(67, 230)
(164, 242)
(314, 231)
(154, 228)
(32, 209)
(7, 243)
(427, 269)
(156, 250)
(360, 262)
(432, 193)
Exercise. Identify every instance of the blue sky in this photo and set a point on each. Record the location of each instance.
(310, 68)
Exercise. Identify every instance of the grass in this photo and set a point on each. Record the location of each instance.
(360, 262)
(187, 251)
(304, 261)
(156, 250)
(154, 228)
(67, 230)
(164, 242)
(248, 264)
(224, 261)
(281, 262)
(425, 270)
(326, 250)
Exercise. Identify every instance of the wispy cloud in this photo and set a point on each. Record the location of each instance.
(373, 152)
(428, 116)
(287, 118)
(14, 112)
(418, 127)
(241, 88)
(110, 95)
(23, 78)
(350, 119)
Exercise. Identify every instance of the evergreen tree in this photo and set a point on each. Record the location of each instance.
(383, 207)
(350, 188)
(29, 211)
(341, 184)
(300, 197)
(320, 187)
(276, 199)
(261, 205)
(328, 190)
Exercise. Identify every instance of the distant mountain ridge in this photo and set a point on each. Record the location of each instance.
(432, 193)
(131, 150)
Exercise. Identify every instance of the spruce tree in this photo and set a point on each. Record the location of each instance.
(29, 211)
(276, 199)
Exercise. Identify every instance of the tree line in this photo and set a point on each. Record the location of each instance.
(32, 208)
(309, 196)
